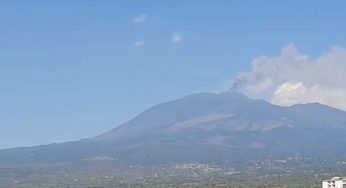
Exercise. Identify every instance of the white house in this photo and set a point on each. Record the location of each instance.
(335, 182)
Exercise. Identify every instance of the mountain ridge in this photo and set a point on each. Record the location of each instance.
(204, 127)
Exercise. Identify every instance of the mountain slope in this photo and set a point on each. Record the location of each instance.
(219, 128)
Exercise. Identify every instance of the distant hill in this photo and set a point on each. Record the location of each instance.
(224, 128)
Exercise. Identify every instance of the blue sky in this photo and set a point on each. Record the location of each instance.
(74, 69)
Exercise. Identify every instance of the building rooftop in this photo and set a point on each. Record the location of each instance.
(336, 179)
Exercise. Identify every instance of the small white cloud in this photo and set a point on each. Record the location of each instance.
(140, 19)
(289, 93)
(139, 44)
(177, 38)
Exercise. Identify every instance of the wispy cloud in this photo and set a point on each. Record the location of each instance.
(140, 19)
(139, 44)
(294, 77)
(177, 38)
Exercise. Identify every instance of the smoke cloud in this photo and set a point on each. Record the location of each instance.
(293, 77)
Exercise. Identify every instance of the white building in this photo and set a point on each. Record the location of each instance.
(335, 182)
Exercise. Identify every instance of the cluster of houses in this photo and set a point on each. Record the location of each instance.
(335, 182)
